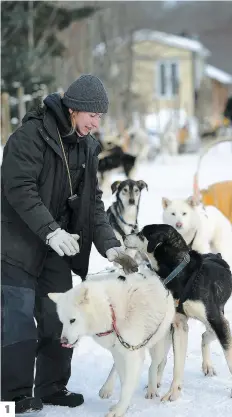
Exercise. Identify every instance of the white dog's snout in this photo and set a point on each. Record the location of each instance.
(64, 340)
(179, 225)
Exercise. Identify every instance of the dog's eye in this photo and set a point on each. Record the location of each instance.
(72, 321)
(173, 214)
(184, 214)
(124, 190)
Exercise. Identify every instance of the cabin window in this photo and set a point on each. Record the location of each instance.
(167, 79)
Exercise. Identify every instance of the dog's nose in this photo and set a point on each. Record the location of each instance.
(64, 340)
(131, 201)
(179, 225)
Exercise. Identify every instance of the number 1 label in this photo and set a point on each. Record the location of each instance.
(7, 409)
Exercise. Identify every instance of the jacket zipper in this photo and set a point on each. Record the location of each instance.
(47, 139)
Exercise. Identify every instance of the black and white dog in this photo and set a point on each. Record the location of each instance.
(123, 213)
(201, 284)
(114, 159)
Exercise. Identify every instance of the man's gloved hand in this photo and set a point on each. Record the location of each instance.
(63, 242)
(119, 255)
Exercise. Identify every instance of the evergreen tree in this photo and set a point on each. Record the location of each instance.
(29, 39)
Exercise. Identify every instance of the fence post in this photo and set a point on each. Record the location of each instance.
(5, 118)
(21, 104)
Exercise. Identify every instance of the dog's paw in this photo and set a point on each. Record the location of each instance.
(172, 395)
(115, 411)
(105, 392)
(151, 394)
(208, 369)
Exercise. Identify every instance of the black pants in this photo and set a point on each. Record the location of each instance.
(23, 298)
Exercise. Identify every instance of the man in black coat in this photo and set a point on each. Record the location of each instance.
(51, 213)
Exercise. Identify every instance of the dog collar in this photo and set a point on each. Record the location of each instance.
(113, 324)
(105, 333)
(121, 340)
(178, 269)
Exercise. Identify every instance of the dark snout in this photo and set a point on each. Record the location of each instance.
(131, 201)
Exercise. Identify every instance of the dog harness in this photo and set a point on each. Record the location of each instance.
(121, 340)
(115, 225)
(134, 226)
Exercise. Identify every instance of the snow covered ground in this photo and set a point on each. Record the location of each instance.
(202, 396)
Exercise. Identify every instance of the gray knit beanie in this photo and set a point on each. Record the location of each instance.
(87, 93)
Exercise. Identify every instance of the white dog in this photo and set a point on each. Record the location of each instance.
(205, 229)
(125, 316)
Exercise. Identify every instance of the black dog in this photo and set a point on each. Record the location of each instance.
(116, 158)
(202, 284)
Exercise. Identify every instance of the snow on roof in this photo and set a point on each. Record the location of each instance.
(165, 38)
(172, 40)
(219, 75)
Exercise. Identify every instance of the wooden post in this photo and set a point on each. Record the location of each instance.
(5, 118)
(21, 104)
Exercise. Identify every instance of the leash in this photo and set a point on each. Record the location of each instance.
(103, 271)
(178, 269)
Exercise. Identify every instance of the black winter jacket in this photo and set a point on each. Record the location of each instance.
(33, 171)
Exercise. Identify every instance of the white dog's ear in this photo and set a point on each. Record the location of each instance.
(191, 201)
(114, 186)
(82, 296)
(166, 202)
(54, 296)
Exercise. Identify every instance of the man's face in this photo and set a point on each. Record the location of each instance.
(85, 121)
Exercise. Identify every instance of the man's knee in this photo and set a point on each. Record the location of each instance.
(17, 314)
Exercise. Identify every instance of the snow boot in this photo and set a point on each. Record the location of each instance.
(25, 404)
(64, 398)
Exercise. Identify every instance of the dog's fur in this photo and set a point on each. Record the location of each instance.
(204, 229)
(202, 288)
(114, 159)
(138, 142)
(142, 307)
(123, 213)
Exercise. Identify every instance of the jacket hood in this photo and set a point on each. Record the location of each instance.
(54, 103)
(33, 114)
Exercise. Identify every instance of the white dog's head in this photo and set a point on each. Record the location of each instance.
(70, 308)
(180, 214)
